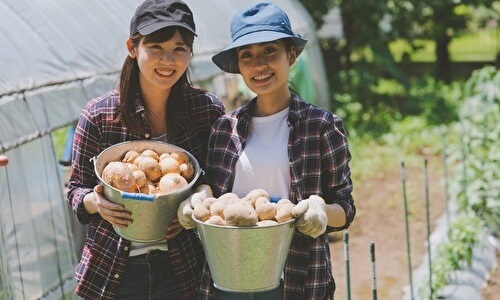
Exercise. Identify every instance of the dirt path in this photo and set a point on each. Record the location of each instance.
(380, 219)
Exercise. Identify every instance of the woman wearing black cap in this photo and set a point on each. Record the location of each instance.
(284, 145)
(154, 100)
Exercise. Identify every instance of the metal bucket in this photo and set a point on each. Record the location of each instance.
(151, 214)
(246, 259)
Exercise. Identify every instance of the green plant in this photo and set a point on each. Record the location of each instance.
(455, 253)
(463, 47)
(437, 102)
(478, 187)
(59, 139)
(475, 184)
(414, 135)
(357, 101)
(370, 105)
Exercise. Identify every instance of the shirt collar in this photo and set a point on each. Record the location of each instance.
(295, 113)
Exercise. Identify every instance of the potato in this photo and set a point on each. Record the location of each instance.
(201, 213)
(215, 220)
(267, 223)
(217, 208)
(229, 197)
(284, 210)
(149, 166)
(208, 202)
(266, 210)
(118, 175)
(254, 194)
(171, 182)
(240, 213)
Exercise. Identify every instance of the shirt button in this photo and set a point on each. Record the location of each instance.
(147, 135)
(126, 248)
(117, 276)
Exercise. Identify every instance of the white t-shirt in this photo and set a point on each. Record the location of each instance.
(264, 162)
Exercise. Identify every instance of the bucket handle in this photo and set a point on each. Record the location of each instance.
(137, 196)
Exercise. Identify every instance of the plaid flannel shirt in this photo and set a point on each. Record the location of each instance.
(105, 253)
(319, 164)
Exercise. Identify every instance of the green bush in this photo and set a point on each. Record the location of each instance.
(478, 186)
(370, 104)
(475, 184)
(456, 252)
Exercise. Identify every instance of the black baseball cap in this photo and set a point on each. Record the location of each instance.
(153, 15)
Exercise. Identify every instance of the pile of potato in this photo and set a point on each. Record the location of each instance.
(255, 209)
(149, 172)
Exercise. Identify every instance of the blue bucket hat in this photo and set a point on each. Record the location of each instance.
(259, 23)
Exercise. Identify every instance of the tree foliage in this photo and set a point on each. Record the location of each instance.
(430, 19)
(317, 9)
(369, 89)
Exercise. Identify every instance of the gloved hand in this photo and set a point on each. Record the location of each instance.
(311, 216)
(187, 206)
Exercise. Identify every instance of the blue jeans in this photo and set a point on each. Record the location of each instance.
(275, 294)
(149, 276)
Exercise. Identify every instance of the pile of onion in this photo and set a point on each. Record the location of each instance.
(149, 172)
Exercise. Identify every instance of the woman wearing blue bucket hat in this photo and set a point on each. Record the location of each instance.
(282, 144)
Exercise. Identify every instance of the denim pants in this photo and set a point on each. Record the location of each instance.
(149, 277)
(276, 294)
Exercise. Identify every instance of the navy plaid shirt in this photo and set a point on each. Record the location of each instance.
(319, 164)
(105, 253)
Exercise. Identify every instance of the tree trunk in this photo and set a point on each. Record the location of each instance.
(443, 63)
(347, 28)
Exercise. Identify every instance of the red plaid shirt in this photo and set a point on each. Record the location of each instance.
(319, 164)
(105, 253)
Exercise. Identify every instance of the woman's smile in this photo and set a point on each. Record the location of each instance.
(261, 78)
(165, 73)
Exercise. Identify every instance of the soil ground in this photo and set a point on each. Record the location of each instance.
(380, 219)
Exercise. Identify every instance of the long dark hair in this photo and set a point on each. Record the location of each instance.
(130, 90)
(289, 46)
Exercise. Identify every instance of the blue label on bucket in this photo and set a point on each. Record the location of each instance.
(274, 199)
(137, 196)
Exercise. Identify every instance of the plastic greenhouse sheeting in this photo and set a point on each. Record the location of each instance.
(56, 55)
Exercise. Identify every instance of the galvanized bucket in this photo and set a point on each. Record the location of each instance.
(246, 259)
(151, 214)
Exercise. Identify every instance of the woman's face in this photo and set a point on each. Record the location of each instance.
(265, 66)
(161, 64)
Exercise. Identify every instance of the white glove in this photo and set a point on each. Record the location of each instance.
(185, 210)
(312, 219)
